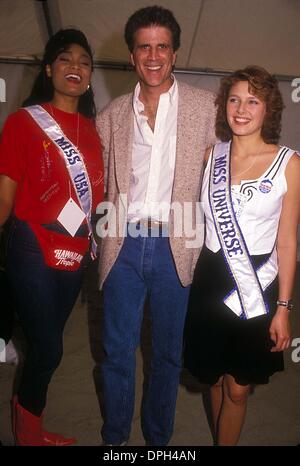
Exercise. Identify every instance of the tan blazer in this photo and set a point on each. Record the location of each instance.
(195, 132)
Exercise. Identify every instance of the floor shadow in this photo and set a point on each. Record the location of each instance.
(192, 385)
(92, 297)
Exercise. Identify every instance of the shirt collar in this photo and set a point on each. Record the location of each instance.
(172, 93)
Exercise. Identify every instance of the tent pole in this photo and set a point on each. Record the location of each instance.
(47, 17)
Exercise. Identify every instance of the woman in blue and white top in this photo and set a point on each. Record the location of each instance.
(238, 318)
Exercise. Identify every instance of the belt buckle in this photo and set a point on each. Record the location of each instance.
(155, 228)
(153, 223)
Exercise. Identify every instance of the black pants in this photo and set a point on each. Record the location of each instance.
(6, 307)
(43, 299)
(6, 313)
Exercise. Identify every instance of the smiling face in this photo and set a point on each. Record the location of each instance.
(153, 57)
(245, 111)
(70, 72)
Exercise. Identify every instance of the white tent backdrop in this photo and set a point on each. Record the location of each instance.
(216, 34)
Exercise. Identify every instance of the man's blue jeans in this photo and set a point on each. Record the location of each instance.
(145, 266)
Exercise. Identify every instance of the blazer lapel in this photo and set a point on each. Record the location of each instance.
(122, 145)
(185, 138)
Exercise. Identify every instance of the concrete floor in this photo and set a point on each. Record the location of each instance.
(273, 416)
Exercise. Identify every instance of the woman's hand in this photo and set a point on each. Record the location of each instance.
(280, 331)
(7, 195)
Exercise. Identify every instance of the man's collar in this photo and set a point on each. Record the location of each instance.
(172, 92)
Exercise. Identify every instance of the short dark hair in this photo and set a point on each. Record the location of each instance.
(149, 16)
(261, 84)
(43, 90)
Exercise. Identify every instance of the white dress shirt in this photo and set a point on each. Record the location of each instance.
(153, 158)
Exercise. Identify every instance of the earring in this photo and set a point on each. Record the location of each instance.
(88, 86)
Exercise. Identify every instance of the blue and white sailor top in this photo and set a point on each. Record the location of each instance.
(257, 205)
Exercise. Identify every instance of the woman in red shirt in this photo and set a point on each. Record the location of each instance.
(51, 177)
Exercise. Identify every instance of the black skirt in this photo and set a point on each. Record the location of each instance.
(217, 341)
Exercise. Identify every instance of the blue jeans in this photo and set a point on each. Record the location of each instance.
(144, 267)
(43, 298)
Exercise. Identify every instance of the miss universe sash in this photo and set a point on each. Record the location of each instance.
(247, 298)
(73, 160)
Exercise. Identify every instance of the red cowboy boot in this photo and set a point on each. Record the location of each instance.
(56, 440)
(28, 430)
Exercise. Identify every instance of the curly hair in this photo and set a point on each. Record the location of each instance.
(149, 16)
(43, 90)
(262, 85)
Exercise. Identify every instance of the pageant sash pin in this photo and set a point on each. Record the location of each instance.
(265, 186)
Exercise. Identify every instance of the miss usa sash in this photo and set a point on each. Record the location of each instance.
(247, 299)
(73, 160)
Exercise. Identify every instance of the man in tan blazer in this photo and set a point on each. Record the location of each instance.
(154, 141)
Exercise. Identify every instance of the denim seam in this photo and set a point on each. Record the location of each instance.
(126, 392)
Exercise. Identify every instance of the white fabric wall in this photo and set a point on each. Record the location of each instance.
(108, 84)
(216, 34)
